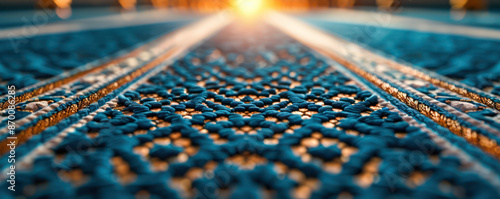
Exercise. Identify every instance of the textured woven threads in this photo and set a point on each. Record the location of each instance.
(251, 113)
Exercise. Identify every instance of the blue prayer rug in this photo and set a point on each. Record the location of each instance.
(253, 114)
(252, 110)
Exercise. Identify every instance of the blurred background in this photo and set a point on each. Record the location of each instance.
(74, 9)
(213, 5)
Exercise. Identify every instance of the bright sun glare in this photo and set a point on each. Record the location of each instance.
(249, 8)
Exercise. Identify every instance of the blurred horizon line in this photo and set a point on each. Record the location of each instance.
(275, 4)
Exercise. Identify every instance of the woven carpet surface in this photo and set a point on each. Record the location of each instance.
(251, 112)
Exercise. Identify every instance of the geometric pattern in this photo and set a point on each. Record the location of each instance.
(252, 113)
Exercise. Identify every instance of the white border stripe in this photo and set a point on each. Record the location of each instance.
(387, 20)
